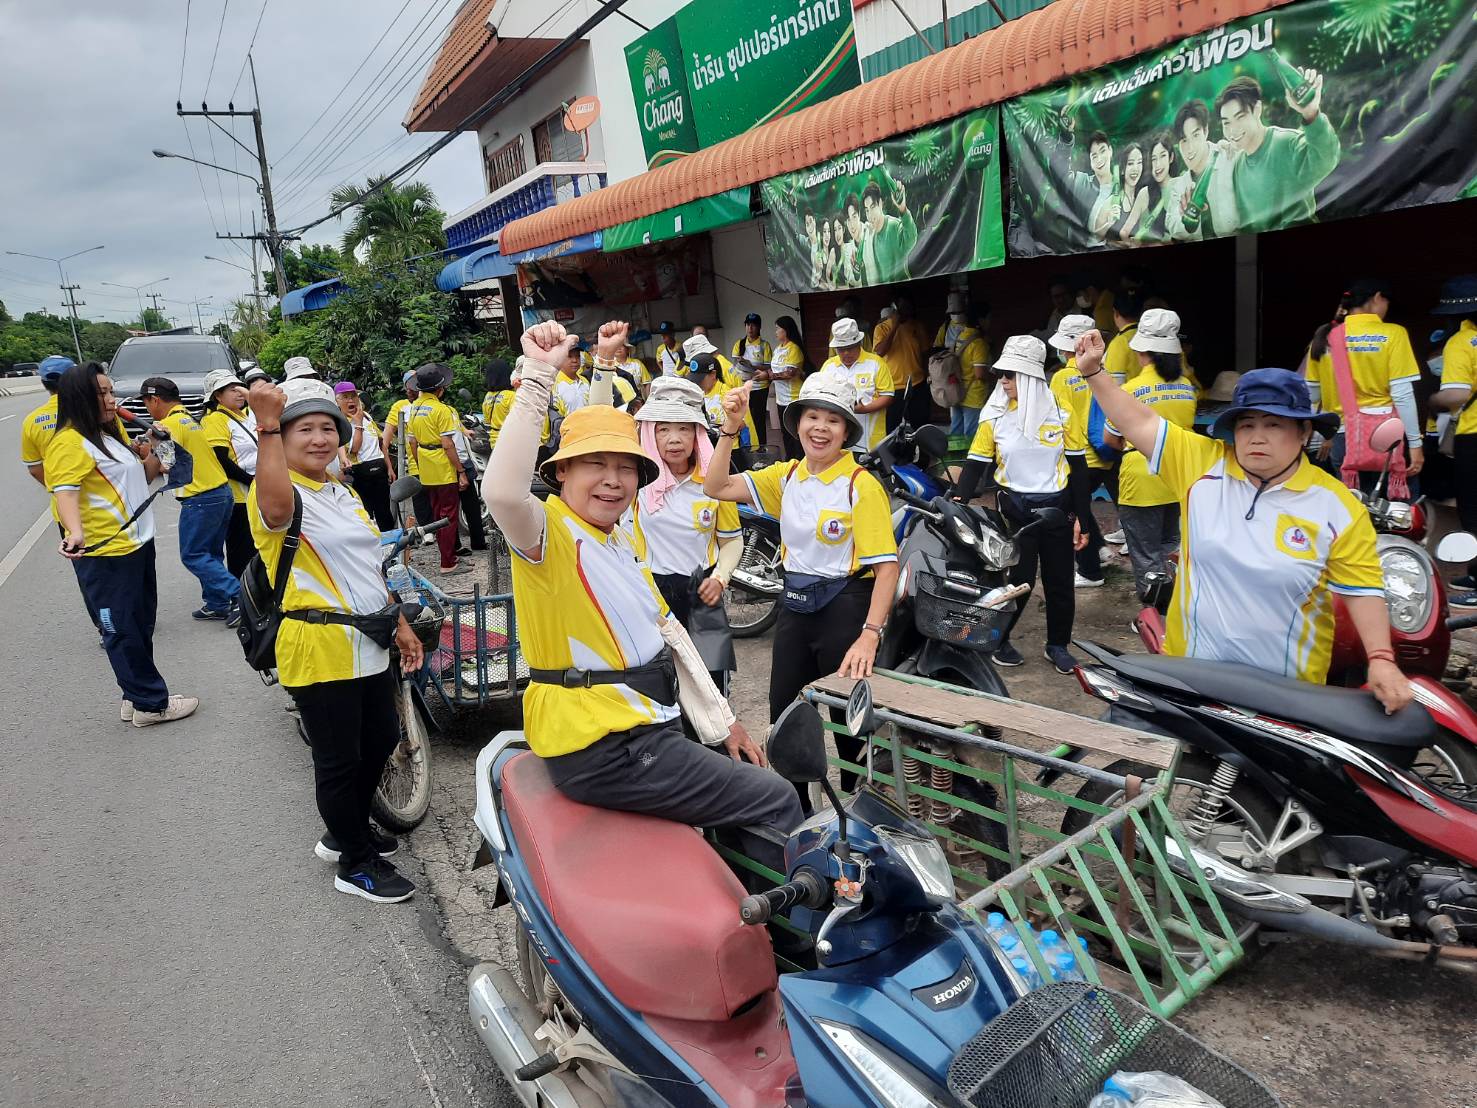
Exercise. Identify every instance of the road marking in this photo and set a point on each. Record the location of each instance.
(19, 551)
(12, 415)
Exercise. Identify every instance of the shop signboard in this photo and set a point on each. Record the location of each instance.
(1321, 110)
(719, 67)
(924, 203)
(694, 217)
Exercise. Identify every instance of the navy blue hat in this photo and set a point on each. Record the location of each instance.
(665, 327)
(1458, 296)
(52, 368)
(1278, 392)
(752, 317)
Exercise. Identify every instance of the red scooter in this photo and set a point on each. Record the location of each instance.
(1420, 625)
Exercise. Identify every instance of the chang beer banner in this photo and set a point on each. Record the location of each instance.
(1321, 110)
(919, 204)
(719, 67)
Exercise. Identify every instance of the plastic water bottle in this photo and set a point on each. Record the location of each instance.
(1112, 1096)
(163, 445)
(1064, 967)
(1050, 940)
(997, 926)
(399, 580)
(1010, 945)
(1027, 972)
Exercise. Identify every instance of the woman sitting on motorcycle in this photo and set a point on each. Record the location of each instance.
(1268, 536)
(607, 663)
(680, 530)
(840, 557)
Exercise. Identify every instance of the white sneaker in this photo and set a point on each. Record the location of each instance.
(125, 712)
(1117, 538)
(1080, 582)
(178, 708)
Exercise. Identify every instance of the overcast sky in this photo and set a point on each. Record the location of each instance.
(88, 89)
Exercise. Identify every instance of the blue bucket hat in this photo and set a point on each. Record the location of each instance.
(1458, 296)
(1278, 392)
(52, 368)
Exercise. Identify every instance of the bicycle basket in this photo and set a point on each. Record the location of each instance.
(427, 623)
(943, 611)
(1056, 1046)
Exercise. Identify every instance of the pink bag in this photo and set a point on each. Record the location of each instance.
(1359, 456)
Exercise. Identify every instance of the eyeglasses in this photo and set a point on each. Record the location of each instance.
(1006, 374)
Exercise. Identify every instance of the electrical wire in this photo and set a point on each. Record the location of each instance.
(216, 52)
(242, 71)
(184, 49)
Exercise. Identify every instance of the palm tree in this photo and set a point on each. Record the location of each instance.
(393, 222)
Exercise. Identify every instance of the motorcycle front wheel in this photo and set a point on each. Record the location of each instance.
(752, 613)
(404, 793)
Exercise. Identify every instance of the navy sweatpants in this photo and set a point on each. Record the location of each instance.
(123, 591)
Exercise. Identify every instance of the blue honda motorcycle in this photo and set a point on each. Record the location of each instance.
(649, 980)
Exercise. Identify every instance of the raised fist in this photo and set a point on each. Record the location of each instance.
(548, 342)
(611, 341)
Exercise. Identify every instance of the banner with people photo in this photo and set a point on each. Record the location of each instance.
(923, 203)
(1322, 110)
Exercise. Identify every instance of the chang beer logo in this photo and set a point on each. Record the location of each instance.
(979, 141)
(664, 107)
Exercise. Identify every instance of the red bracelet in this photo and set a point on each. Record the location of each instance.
(1381, 655)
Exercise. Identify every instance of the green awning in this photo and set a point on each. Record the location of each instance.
(707, 214)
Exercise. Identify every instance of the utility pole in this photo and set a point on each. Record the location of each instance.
(72, 303)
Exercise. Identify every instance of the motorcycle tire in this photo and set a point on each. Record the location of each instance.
(1450, 762)
(404, 793)
(750, 613)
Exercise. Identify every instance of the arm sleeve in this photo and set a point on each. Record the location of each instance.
(505, 486)
(730, 551)
(1353, 559)
(602, 386)
(871, 523)
(970, 476)
(1182, 457)
(1402, 393)
(233, 471)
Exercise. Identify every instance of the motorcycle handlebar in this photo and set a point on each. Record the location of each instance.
(807, 889)
(1461, 623)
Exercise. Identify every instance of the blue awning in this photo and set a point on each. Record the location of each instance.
(580, 244)
(480, 265)
(310, 298)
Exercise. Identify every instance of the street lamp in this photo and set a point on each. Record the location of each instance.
(209, 165)
(71, 301)
(233, 265)
(137, 291)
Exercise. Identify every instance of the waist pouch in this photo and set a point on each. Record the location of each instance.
(1019, 507)
(806, 594)
(656, 680)
(378, 627)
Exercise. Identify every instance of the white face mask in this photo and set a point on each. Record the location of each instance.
(957, 317)
(1083, 300)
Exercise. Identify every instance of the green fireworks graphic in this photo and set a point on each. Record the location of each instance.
(1369, 24)
(924, 150)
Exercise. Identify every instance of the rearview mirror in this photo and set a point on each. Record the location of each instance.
(1389, 434)
(405, 488)
(1459, 546)
(797, 744)
(861, 717)
(933, 440)
(1051, 517)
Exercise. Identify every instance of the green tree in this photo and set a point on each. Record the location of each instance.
(4, 313)
(151, 319)
(247, 326)
(393, 222)
(306, 265)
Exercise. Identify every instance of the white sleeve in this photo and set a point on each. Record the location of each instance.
(1403, 394)
(505, 484)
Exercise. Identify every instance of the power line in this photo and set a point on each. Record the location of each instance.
(242, 72)
(216, 52)
(185, 49)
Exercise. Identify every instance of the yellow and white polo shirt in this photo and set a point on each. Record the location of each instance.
(570, 393)
(669, 360)
(189, 435)
(832, 524)
(1075, 398)
(336, 569)
(393, 420)
(588, 602)
(1379, 356)
(1175, 402)
(1257, 579)
(1029, 463)
(870, 376)
(754, 350)
(110, 484)
(788, 354)
(1459, 371)
(429, 422)
(238, 435)
(36, 433)
(683, 535)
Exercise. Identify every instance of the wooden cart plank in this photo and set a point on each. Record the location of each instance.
(963, 707)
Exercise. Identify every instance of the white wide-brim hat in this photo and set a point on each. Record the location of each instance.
(698, 344)
(830, 391)
(673, 400)
(1069, 330)
(218, 379)
(845, 332)
(1158, 333)
(306, 396)
(1024, 354)
(298, 367)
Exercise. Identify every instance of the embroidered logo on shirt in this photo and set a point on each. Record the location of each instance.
(706, 517)
(1296, 537)
(831, 528)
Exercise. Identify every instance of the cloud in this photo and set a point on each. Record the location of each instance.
(88, 90)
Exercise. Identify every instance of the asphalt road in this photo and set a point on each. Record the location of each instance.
(166, 935)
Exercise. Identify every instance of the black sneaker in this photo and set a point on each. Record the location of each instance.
(1007, 655)
(1060, 658)
(384, 845)
(203, 612)
(376, 880)
(1465, 583)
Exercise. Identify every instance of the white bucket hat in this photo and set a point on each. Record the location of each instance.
(1024, 354)
(1069, 330)
(1158, 333)
(832, 392)
(673, 400)
(845, 332)
(218, 379)
(698, 344)
(299, 367)
(306, 396)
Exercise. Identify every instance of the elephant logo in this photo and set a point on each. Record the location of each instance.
(654, 71)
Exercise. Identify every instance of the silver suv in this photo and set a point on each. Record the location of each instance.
(184, 359)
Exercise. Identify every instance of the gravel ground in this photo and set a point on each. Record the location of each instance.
(1322, 1025)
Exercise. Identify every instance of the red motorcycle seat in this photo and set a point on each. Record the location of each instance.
(646, 901)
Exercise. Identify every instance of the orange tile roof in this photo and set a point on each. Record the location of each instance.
(1036, 50)
(466, 37)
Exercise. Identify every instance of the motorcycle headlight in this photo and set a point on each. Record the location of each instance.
(884, 1074)
(996, 550)
(925, 858)
(1407, 589)
(964, 532)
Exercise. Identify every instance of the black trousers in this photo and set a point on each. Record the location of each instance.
(352, 727)
(759, 410)
(1089, 560)
(810, 646)
(1052, 548)
(372, 483)
(659, 771)
(1464, 465)
(793, 451)
(472, 512)
(421, 506)
(239, 544)
(122, 593)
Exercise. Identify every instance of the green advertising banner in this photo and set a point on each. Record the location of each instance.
(1321, 110)
(720, 67)
(915, 205)
(707, 214)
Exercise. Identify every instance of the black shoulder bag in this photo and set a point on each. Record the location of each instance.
(261, 597)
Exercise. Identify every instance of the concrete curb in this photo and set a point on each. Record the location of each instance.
(22, 386)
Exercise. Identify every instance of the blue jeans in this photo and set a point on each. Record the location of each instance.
(204, 520)
(121, 592)
(963, 421)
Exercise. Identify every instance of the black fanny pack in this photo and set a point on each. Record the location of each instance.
(656, 680)
(378, 627)
(806, 594)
